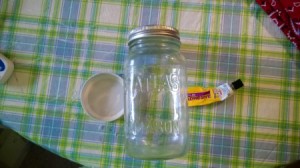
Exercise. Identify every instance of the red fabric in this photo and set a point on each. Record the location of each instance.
(286, 14)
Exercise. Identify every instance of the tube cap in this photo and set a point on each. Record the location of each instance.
(237, 84)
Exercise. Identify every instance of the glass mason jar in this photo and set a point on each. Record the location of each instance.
(156, 117)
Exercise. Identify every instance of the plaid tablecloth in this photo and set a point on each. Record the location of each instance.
(57, 45)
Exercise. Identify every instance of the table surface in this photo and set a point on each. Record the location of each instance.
(57, 45)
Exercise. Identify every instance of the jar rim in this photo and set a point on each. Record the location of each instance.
(152, 30)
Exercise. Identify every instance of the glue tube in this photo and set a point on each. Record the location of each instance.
(199, 96)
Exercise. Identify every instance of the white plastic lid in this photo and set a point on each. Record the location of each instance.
(102, 96)
(6, 69)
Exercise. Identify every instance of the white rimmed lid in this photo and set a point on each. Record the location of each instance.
(102, 96)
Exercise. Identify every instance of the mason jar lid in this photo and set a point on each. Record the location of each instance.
(102, 96)
(152, 30)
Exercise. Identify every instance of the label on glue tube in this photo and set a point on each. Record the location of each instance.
(199, 96)
(223, 91)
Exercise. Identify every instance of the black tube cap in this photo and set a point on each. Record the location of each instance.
(237, 84)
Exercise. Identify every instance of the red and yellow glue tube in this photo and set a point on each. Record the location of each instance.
(199, 96)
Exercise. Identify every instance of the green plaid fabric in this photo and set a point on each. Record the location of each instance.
(57, 45)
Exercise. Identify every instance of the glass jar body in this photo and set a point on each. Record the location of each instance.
(156, 116)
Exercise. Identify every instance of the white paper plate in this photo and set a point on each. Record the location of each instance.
(102, 96)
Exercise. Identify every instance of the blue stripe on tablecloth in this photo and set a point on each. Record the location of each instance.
(95, 137)
(150, 15)
(154, 16)
(228, 63)
(66, 43)
(230, 28)
(200, 139)
(222, 145)
(53, 131)
(14, 118)
(21, 43)
(104, 52)
(65, 48)
(70, 10)
(265, 150)
(59, 85)
(24, 43)
(4, 43)
(134, 162)
(226, 108)
(64, 51)
(94, 126)
(53, 120)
